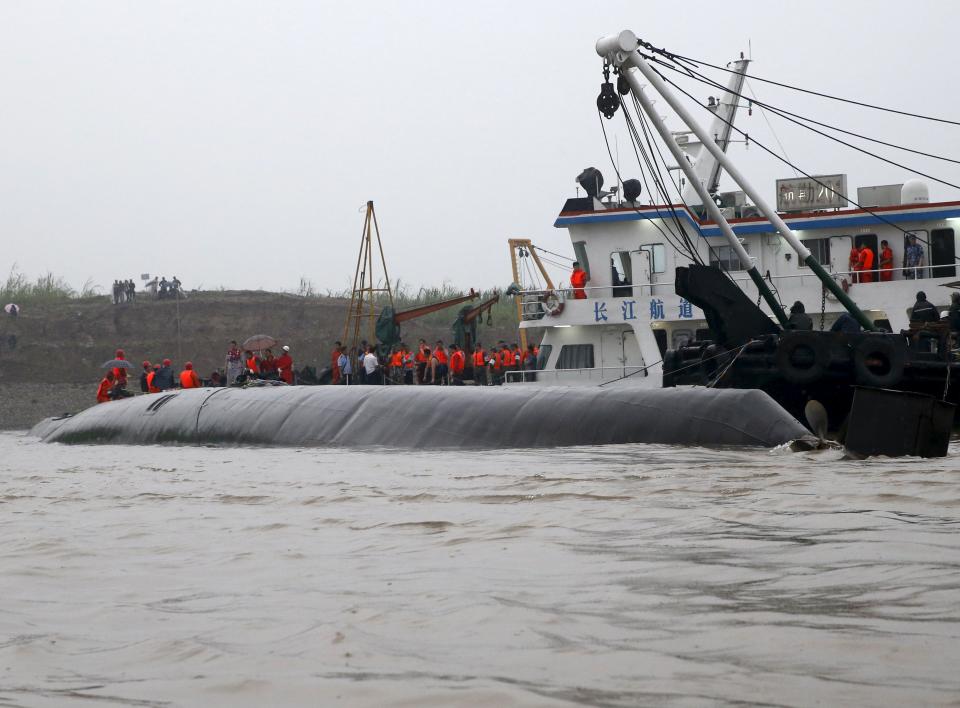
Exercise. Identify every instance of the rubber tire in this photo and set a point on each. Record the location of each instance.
(795, 341)
(872, 346)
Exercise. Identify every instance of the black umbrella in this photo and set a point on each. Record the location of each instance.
(117, 364)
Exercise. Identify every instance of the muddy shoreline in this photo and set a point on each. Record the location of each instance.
(22, 405)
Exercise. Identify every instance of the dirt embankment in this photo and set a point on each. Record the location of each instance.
(49, 346)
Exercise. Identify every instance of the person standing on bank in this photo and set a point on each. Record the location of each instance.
(578, 281)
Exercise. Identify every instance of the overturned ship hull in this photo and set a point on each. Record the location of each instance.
(426, 417)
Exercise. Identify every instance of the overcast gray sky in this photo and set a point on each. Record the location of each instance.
(233, 143)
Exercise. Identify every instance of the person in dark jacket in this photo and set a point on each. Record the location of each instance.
(846, 324)
(799, 319)
(924, 311)
(164, 379)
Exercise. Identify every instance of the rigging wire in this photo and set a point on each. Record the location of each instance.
(695, 62)
(767, 121)
(606, 140)
(648, 132)
(787, 115)
(805, 174)
(558, 255)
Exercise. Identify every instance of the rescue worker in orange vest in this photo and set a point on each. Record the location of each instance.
(579, 280)
(106, 384)
(458, 362)
(886, 262)
(507, 361)
(145, 377)
(442, 363)
(252, 363)
(396, 365)
(285, 365)
(865, 264)
(496, 366)
(188, 377)
(479, 365)
(422, 358)
(120, 373)
(854, 264)
(150, 387)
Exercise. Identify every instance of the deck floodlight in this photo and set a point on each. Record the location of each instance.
(632, 190)
(591, 180)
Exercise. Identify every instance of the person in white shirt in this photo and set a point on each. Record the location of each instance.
(370, 366)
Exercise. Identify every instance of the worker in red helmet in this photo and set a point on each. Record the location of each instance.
(188, 377)
(164, 379)
(119, 372)
(145, 377)
(284, 364)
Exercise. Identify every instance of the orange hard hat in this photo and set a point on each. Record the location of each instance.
(188, 365)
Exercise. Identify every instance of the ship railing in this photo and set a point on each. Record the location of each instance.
(597, 374)
(533, 302)
(921, 273)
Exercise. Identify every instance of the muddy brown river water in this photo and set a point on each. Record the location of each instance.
(615, 576)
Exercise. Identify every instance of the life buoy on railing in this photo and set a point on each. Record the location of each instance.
(844, 283)
(553, 303)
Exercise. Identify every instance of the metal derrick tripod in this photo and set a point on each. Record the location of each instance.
(365, 287)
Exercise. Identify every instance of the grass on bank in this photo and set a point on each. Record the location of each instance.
(20, 289)
(49, 288)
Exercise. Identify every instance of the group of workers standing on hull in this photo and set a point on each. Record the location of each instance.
(241, 367)
(245, 365)
(429, 366)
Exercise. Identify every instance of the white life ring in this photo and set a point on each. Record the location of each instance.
(843, 282)
(553, 303)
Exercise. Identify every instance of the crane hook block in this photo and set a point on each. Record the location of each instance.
(608, 101)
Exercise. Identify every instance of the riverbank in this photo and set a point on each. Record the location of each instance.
(22, 405)
(66, 341)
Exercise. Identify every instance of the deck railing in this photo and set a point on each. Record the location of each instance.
(574, 375)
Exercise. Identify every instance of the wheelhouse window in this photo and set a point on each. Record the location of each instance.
(575, 356)
(725, 257)
(819, 249)
(621, 276)
(658, 257)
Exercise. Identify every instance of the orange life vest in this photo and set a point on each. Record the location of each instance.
(252, 364)
(441, 355)
(396, 360)
(479, 358)
(457, 362)
(189, 379)
(103, 391)
(150, 386)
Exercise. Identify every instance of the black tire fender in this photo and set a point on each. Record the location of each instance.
(879, 360)
(814, 357)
